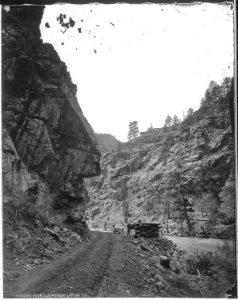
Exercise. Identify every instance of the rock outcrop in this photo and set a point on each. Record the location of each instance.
(48, 145)
(107, 142)
(182, 177)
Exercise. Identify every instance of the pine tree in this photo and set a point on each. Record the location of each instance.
(168, 121)
(175, 121)
(225, 86)
(189, 119)
(133, 130)
(212, 92)
(190, 112)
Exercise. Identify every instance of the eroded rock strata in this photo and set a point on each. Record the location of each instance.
(48, 145)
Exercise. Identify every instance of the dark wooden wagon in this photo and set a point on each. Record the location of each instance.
(146, 230)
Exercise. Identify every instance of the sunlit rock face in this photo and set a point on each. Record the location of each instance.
(139, 175)
(48, 145)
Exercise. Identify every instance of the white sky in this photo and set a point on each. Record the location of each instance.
(156, 60)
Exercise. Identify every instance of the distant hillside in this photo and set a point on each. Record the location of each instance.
(107, 142)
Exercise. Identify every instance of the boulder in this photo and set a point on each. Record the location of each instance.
(155, 259)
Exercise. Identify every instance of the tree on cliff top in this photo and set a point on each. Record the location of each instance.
(175, 121)
(133, 130)
(188, 118)
(168, 121)
(190, 112)
(212, 93)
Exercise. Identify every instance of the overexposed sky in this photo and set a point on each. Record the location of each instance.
(141, 62)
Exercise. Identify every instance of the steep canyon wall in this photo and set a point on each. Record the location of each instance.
(48, 145)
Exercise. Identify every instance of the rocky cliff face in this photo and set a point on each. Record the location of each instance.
(48, 145)
(182, 177)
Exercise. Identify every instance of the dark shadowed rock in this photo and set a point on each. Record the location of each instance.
(48, 145)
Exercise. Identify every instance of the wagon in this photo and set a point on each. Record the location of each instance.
(146, 230)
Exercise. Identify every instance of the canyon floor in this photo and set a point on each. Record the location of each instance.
(111, 265)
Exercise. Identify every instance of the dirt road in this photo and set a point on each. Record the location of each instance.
(104, 267)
